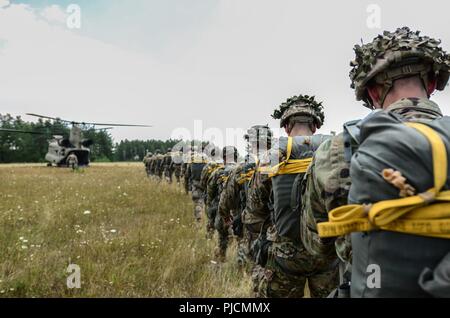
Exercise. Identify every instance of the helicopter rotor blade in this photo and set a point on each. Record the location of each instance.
(115, 125)
(86, 123)
(47, 117)
(100, 129)
(21, 131)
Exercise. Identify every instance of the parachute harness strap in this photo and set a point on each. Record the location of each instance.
(245, 177)
(425, 214)
(199, 159)
(212, 169)
(288, 166)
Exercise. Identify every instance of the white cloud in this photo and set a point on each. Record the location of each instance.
(51, 70)
(248, 58)
(4, 3)
(54, 13)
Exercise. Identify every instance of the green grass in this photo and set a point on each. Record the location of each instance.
(131, 237)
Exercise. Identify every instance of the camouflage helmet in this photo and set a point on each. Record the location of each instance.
(303, 107)
(211, 150)
(396, 55)
(157, 151)
(230, 150)
(260, 133)
(259, 130)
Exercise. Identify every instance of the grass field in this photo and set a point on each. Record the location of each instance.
(131, 237)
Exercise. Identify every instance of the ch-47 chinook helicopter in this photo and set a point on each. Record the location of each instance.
(59, 148)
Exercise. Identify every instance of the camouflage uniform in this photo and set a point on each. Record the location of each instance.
(254, 196)
(167, 167)
(151, 165)
(325, 187)
(184, 172)
(147, 161)
(207, 171)
(328, 181)
(193, 177)
(232, 204)
(176, 165)
(158, 165)
(217, 182)
(289, 265)
(257, 222)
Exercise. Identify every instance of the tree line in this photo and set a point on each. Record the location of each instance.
(32, 147)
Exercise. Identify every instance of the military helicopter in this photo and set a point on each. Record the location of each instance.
(59, 148)
(57, 136)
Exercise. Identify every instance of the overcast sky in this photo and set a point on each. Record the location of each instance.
(167, 63)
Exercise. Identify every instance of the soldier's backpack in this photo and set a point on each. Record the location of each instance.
(196, 170)
(300, 151)
(390, 263)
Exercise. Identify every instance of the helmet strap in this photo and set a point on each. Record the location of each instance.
(387, 78)
(387, 86)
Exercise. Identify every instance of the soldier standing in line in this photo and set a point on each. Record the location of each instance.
(153, 163)
(386, 165)
(288, 265)
(158, 165)
(187, 159)
(234, 197)
(167, 166)
(193, 174)
(147, 162)
(207, 171)
(216, 184)
(176, 164)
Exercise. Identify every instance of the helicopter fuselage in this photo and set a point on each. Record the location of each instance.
(59, 149)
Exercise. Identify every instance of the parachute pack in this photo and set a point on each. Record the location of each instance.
(399, 203)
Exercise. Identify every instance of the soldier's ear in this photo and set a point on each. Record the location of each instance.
(287, 130)
(432, 83)
(374, 94)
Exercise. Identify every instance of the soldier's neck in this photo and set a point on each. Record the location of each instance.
(397, 94)
(300, 130)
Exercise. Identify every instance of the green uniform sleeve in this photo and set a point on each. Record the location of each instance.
(325, 187)
(258, 197)
(212, 188)
(204, 176)
(229, 198)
